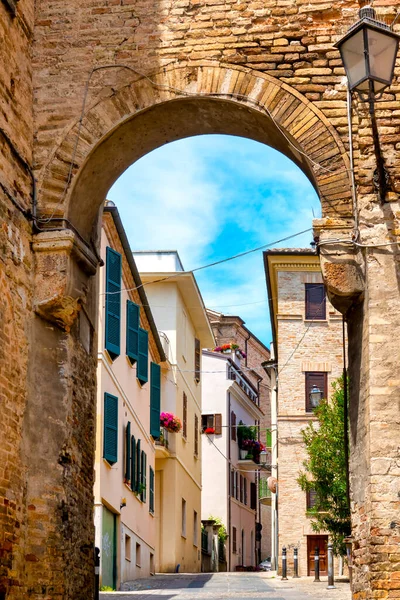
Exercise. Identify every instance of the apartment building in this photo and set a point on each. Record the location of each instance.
(130, 355)
(307, 345)
(181, 319)
(232, 329)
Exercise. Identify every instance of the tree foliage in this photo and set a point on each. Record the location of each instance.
(325, 469)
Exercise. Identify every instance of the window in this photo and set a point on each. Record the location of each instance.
(143, 476)
(253, 496)
(183, 527)
(311, 498)
(315, 301)
(151, 491)
(197, 360)
(127, 547)
(233, 427)
(245, 490)
(155, 399)
(234, 540)
(241, 488)
(233, 483)
(138, 555)
(127, 477)
(132, 331)
(318, 379)
(184, 420)
(113, 302)
(196, 435)
(152, 571)
(110, 446)
(138, 477)
(184, 334)
(143, 356)
(236, 485)
(195, 528)
(133, 464)
(212, 422)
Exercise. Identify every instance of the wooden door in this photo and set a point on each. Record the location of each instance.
(320, 542)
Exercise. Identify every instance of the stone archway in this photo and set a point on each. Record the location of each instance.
(116, 129)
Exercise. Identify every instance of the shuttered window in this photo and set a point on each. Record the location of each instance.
(218, 424)
(133, 463)
(233, 427)
(128, 453)
(196, 435)
(151, 490)
(143, 356)
(236, 485)
(268, 438)
(155, 399)
(132, 331)
(197, 360)
(241, 488)
(138, 478)
(234, 540)
(110, 449)
(253, 496)
(318, 379)
(315, 301)
(143, 476)
(245, 490)
(113, 303)
(184, 419)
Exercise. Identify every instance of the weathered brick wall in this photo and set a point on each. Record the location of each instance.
(16, 137)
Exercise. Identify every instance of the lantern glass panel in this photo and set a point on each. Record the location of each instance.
(382, 49)
(352, 51)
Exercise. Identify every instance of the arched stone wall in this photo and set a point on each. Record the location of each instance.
(180, 102)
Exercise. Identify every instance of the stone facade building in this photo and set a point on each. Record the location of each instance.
(226, 329)
(307, 341)
(80, 82)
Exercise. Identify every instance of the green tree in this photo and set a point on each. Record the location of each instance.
(325, 469)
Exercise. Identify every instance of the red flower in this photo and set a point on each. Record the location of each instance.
(209, 430)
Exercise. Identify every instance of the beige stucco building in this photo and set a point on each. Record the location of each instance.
(181, 318)
(307, 341)
(128, 374)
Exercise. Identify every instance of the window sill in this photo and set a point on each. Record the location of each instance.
(308, 320)
(109, 465)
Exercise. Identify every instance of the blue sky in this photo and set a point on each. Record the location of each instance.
(211, 197)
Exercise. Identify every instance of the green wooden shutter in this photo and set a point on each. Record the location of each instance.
(143, 469)
(113, 302)
(151, 491)
(142, 363)
(268, 437)
(110, 447)
(155, 399)
(133, 463)
(128, 453)
(138, 470)
(132, 330)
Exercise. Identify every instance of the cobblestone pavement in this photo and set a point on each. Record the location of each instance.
(227, 586)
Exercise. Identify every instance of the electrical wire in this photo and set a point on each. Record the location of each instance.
(213, 264)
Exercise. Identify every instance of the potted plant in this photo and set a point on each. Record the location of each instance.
(228, 348)
(246, 449)
(171, 423)
(246, 432)
(209, 430)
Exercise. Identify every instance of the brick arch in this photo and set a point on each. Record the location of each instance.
(138, 117)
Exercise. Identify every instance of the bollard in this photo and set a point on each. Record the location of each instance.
(284, 565)
(96, 573)
(295, 563)
(331, 577)
(316, 564)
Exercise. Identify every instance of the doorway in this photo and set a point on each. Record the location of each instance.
(320, 542)
(109, 549)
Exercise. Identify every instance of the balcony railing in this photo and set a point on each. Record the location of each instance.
(204, 541)
(163, 439)
(264, 493)
(250, 391)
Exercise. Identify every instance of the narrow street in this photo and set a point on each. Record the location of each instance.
(229, 586)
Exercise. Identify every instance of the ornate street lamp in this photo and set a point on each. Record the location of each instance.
(315, 396)
(368, 52)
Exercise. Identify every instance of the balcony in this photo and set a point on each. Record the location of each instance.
(235, 374)
(264, 493)
(163, 444)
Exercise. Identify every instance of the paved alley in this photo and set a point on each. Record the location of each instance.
(227, 586)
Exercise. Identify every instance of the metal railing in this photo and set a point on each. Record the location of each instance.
(163, 439)
(263, 489)
(235, 375)
(204, 541)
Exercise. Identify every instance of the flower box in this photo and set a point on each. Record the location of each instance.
(171, 423)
